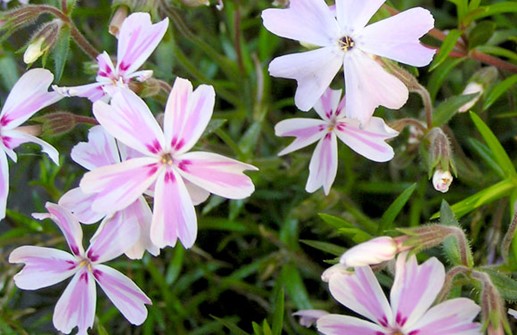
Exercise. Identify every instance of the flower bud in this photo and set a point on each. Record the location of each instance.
(442, 180)
(374, 251)
(116, 20)
(308, 317)
(45, 38)
(478, 84)
(471, 88)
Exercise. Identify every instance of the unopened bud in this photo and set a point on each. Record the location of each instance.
(336, 268)
(472, 88)
(478, 83)
(374, 251)
(42, 41)
(442, 180)
(57, 123)
(308, 317)
(116, 21)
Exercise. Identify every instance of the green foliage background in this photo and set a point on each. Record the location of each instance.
(256, 261)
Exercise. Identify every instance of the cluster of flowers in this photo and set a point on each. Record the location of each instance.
(129, 156)
(342, 38)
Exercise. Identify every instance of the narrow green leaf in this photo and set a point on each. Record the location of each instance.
(257, 329)
(498, 51)
(486, 196)
(447, 215)
(266, 328)
(461, 8)
(325, 247)
(278, 313)
(481, 33)
(60, 52)
(498, 8)
(485, 153)
(446, 48)
(497, 149)
(498, 90)
(335, 221)
(293, 283)
(231, 326)
(439, 76)
(447, 109)
(9, 73)
(394, 209)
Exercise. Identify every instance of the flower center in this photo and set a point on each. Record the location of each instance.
(86, 262)
(346, 43)
(167, 159)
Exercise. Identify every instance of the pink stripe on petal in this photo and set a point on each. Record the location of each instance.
(187, 114)
(130, 121)
(328, 103)
(415, 288)
(323, 165)
(306, 131)
(119, 185)
(125, 295)
(308, 21)
(173, 213)
(93, 91)
(43, 266)
(217, 174)
(451, 317)
(334, 324)
(67, 223)
(106, 67)
(368, 86)
(80, 204)
(28, 96)
(313, 71)
(4, 183)
(140, 211)
(137, 39)
(100, 150)
(76, 307)
(361, 293)
(397, 37)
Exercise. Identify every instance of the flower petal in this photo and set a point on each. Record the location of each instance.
(68, 225)
(4, 183)
(123, 292)
(197, 194)
(361, 293)
(115, 235)
(368, 85)
(368, 140)
(137, 39)
(328, 104)
(313, 70)
(217, 174)
(93, 91)
(187, 114)
(28, 95)
(76, 307)
(354, 15)
(173, 213)
(397, 37)
(17, 136)
(334, 324)
(140, 211)
(100, 150)
(309, 316)
(415, 288)
(323, 165)
(43, 266)
(307, 21)
(130, 121)
(119, 185)
(80, 204)
(306, 131)
(451, 317)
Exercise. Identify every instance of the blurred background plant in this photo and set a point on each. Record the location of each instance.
(256, 261)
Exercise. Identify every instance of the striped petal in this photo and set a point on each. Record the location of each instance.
(323, 165)
(306, 131)
(100, 150)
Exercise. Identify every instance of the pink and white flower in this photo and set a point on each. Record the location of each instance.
(76, 307)
(344, 39)
(180, 178)
(102, 150)
(367, 140)
(137, 39)
(374, 251)
(411, 312)
(28, 96)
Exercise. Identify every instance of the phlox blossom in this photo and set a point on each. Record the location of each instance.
(76, 307)
(176, 175)
(28, 96)
(102, 150)
(367, 140)
(411, 312)
(343, 39)
(137, 39)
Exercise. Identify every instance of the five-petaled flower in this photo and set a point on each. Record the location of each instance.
(137, 39)
(165, 164)
(28, 96)
(76, 307)
(413, 292)
(368, 140)
(344, 40)
(102, 150)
